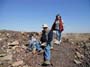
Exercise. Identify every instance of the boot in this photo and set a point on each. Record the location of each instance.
(46, 63)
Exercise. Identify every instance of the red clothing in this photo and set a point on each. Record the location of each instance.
(60, 25)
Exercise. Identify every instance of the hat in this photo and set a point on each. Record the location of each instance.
(45, 25)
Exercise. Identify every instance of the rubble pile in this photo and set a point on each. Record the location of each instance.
(74, 51)
(13, 47)
(81, 50)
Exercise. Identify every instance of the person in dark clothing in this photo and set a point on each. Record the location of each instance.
(46, 39)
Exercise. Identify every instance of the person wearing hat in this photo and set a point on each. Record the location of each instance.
(46, 39)
(58, 27)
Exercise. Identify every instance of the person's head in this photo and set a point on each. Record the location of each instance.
(30, 36)
(35, 35)
(58, 17)
(45, 27)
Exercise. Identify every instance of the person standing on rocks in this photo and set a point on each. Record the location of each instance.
(58, 28)
(46, 39)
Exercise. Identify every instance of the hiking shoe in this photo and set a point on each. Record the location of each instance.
(51, 48)
(28, 50)
(57, 42)
(46, 63)
(34, 51)
(60, 41)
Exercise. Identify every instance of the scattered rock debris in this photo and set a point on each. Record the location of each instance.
(74, 51)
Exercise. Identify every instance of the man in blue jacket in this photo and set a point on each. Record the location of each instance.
(46, 39)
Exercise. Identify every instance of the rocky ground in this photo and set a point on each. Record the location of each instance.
(74, 51)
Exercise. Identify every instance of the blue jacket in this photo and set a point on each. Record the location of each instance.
(46, 36)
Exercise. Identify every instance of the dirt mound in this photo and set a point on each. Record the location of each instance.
(74, 51)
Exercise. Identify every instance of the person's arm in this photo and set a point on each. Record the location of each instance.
(41, 39)
(53, 27)
(43, 43)
(30, 43)
(61, 25)
(50, 36)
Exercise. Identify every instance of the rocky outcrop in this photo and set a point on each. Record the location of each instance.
(74, 51)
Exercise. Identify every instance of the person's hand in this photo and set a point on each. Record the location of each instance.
(43, 44)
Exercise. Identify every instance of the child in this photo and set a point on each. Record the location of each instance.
(34, 43)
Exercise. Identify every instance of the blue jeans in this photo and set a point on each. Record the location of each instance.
(36, 45)
(47, 53)
(58, 35)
